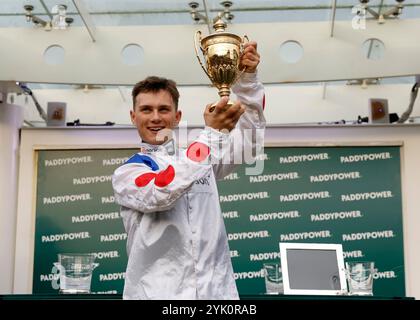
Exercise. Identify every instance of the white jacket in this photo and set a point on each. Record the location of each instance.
(177, 244)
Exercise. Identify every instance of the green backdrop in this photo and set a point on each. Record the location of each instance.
(347, 195)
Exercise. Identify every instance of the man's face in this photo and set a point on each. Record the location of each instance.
(154, 112)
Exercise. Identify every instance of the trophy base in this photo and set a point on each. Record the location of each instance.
(228, 105)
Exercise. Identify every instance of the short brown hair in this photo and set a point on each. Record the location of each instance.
(155, 84)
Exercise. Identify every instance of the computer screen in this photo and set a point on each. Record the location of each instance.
(313, 268)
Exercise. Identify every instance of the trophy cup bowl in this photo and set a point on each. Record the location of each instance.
(222, 52)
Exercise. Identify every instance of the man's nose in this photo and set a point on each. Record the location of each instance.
(155, 116)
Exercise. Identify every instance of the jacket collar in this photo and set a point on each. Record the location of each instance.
(167, 147)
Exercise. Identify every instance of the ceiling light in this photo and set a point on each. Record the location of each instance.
(59, 19)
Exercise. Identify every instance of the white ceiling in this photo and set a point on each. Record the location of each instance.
(177, 12)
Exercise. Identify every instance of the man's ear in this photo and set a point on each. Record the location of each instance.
(178, 117)
(133, 117)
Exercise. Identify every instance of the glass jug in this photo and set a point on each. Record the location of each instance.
(75, 270)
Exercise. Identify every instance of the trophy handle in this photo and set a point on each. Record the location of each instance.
(198, 36)
(242, 48)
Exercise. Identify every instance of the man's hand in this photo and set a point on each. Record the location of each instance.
(250, 57)
(223, 117)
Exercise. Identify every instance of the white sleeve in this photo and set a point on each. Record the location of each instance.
(247, 139)
(143, 185)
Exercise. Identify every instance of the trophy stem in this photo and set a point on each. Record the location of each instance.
(224, 91)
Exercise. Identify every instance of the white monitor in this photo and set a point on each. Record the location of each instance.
(313, 268)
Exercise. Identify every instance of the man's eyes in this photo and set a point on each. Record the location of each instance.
(145, 110)
(148, 110)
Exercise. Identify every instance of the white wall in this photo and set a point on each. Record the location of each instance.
(284, 103)
(169, 51)
(11, 117)
(407, 135)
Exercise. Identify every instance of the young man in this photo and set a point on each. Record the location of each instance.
(177, 244)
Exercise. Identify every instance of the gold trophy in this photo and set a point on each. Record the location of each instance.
(222, 52)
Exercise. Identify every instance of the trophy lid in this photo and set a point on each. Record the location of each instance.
(219, 25)
(220, 35)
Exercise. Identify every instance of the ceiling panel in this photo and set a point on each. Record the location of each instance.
(166, 12)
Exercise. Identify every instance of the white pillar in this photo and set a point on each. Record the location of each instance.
(11, 119)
